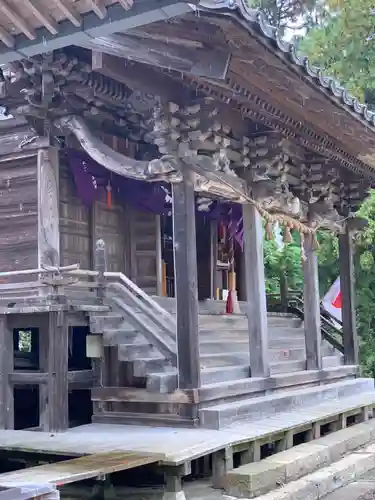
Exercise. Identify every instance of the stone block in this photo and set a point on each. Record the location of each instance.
(348, 439)
(362, 490)
(302, 460)
(341, 473)
(254, 479)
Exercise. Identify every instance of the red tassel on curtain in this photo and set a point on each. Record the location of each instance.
(109, 195)
(222, 232)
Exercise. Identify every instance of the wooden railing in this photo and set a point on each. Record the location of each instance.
(292, 302)
(70, 282)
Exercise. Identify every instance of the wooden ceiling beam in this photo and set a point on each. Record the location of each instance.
(70, 12)
(126, 4)
(199, 61)
(17, 20)
(99, 8)
(43, 17)
(7, 38)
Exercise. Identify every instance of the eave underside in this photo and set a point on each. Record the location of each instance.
(258, 93)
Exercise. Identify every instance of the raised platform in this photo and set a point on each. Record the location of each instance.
(179, 445)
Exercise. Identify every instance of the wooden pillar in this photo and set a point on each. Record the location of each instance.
(311, 301)
(48, 207)
(255, 292)
(347, 285)
(6, 367)
(185, 264)
(54, 347)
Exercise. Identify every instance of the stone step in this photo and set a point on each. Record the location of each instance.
(250, 410)
(358, 490)
(258, 478)
(321, 484)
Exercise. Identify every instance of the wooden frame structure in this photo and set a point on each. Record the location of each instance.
(211, 131)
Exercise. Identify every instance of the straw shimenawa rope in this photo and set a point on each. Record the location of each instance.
(288, 222)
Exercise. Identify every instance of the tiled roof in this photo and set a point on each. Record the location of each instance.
(256, 21)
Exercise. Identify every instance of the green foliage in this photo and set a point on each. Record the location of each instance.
(342, 44)
(286, 260)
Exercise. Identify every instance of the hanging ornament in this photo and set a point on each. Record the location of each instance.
(109, 194)
(222, 232)
(269, 230)
(288, 238)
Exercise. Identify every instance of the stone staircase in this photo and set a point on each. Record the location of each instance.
(337, 466)
(224, 345)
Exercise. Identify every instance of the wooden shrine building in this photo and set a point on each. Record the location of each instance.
(143, 146)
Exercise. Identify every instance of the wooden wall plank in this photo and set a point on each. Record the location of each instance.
(145, 252)
(75, 242)
(18, 214)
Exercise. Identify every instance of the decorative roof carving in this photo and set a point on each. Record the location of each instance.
(256, 20)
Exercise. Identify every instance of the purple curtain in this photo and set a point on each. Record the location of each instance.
(90, 178)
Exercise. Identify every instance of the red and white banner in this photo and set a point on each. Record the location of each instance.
(332, 300)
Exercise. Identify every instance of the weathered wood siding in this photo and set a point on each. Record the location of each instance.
(18, 212)
(110, 226)
(75, 237)
(144, 239)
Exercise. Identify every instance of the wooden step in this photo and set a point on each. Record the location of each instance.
(250, 410)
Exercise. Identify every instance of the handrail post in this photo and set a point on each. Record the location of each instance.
(283, 291)
(101, 267)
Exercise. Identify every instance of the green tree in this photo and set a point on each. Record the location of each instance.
(290, 14)
(343, 45)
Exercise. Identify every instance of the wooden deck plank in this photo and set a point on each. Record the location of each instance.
(79, 469)
(176, 444)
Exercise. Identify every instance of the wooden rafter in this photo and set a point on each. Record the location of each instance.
(70, 12)
(43, 17)
(17, 20)
(7, 38)
(126, 4)
(99, 8)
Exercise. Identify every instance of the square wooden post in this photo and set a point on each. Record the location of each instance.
(54, 352)
(185, 265)
(255, 292)
(347, 285)
(6, 368)
(48, 207)
(311, 307)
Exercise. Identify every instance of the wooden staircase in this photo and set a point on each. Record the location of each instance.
(139, 332)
